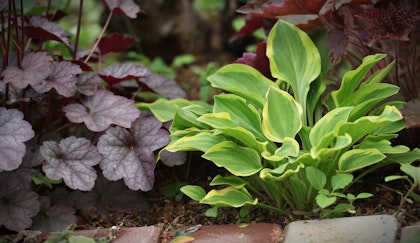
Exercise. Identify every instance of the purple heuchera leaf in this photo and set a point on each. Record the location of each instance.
(107, 43)
(35, 68)
(164, 85)
(121, 72)
(101, 110)
(87, 83)
(129, 154)
(53, 218)
(173, 158)
(14, 131)
(17, 207)
(72, 159)
(126, 7)
(62, 78)
(42, 28)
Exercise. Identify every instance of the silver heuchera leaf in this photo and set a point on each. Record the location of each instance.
(126, 7)
(87, 83)
(129, 154)
(62, 78)
(35, 68)
(101, 110)
(14, 131)
(72, 159)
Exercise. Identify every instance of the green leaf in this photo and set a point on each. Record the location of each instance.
(234, 181)
(281, 173)
(359, 158)
(293, 58)
(324, 201)
(242, 80)
(364, 195)
(194, 192)
(316, 178)
(353, 78)
(247, 138)
(202, 141)
(41, 179)
(80, 239)
(282, 116)
(241, 113)
(240, 161)
(212, 212)
(321, 134)
(229, 197)
(340, 181)
(289, 149)
(379, 75)
(412, 171)
(186, 118)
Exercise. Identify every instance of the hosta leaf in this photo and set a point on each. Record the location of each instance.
(194, 192)
(229, 196)
(117, 73)
(234, 181)
(359, 158)
(240, 161)
(42, 28)
(62, 78)
(293, 58)
(72, 159)
(14, 131)
(316, 177)
(129, 154)
(202, 141)
(243, 81)
(35, 68)
(282, 116)
(126, 7)
(101, 110)
(16, 209)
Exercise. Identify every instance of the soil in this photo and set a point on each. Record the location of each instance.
(171, 214)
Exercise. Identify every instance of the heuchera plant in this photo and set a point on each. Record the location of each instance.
(352, 29)
(289, 145)
(62, 120)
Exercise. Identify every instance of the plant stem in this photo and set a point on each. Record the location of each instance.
(271, 208)
(99, 37)
(79, 26)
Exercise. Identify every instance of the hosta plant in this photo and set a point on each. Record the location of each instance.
(288, 145)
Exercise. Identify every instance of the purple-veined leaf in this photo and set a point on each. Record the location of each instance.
(20, 179)
(42, 28)
(87, 83)
(125, 7)
(72, 160)
(101, 110)
(62, 78)
(164, 85)
(17, 207)
(14, 131)
(121, 72)
(107, 196)
(53, 218)
(107, 43)
(129, 154)
(173, 158)
(35, 68)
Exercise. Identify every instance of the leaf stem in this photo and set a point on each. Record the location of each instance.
(79, 26)
(99, 38)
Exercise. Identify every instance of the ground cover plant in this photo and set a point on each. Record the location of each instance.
(291, 145)
(70, 136)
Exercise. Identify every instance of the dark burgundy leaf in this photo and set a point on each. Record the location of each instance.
(258, 60)
(115, 42)
(71, 160)
(53, 218)
(35, 68)
(129, 154)
(14, 131)
(252, 24)
(82, 65)
(164, 85)
(62, 78)
(17, 207)
(121, 72)
(42, 28)
(107, 196)
(101, 110)
(125, 7)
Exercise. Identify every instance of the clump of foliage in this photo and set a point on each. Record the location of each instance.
(67, 118)
(290, 144)
(352, 29)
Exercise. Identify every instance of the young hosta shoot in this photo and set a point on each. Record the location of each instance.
(281, 151)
